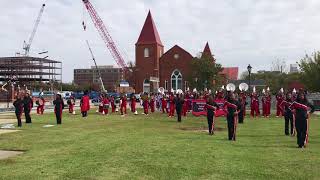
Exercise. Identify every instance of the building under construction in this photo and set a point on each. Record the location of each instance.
(27, 71)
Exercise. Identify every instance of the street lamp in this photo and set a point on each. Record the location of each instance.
(249, 68)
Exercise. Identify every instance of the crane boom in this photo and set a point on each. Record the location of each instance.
(27, 46)
(105, 35)
(95, 63)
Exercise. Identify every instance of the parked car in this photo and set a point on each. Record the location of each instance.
(94, 94)
(78, 95)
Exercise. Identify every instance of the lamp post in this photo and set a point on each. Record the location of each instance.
(249, 68)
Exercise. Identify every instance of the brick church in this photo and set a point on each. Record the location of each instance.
(156, 68)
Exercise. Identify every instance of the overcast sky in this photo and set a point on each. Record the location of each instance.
(239, 32)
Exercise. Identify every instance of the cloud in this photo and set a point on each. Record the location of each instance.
(239, 32)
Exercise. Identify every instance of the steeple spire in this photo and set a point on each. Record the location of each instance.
(207, 52)
(149, 33)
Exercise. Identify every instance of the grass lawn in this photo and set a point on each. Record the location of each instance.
(157, 147)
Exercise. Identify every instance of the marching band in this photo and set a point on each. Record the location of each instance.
(293, 106)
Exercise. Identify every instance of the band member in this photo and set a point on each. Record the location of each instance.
(210, 107)
(27, 106)
(113, 105)
(152, 103)
(185, 108)
(164, 104)
(264, 105)
(145, 104)
(268, 103)
(123, 105)
(178, 101)
(101, 98)
(106, 104)
(243, 102)
(280, 98)
(85, 104)
(58, 108)
(232, 107)
(288, 115)
(18, 105)
(171, 105)
(255, 105)
(301, 107)
(71, 103)
(133, 103)
(40, 107)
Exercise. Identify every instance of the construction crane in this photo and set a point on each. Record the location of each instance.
(95, 63)
(27, 46)
(105, 35)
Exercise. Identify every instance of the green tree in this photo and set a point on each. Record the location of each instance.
(310, 71)
(205, 74)
(275, 79)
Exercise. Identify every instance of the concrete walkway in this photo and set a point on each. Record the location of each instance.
(9, 154)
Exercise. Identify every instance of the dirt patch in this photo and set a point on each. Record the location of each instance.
(7, 120)
(200, 129)
(4, 131)
(9, 154)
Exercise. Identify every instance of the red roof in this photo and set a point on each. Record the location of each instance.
(149, 33)
(231, 72)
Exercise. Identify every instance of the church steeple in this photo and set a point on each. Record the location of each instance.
(207, 52)
(149, 33)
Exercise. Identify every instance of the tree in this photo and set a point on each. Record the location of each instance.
(310, 71)
(205, 73)
(275, 79)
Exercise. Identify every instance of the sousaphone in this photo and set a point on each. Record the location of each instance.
(161, 90)
(231, 87)
(243, 87)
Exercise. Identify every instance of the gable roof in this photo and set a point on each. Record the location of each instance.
(149, 33)
(174, 48)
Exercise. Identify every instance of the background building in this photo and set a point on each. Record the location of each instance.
(111, 77)
(171, 69)
(294, 68)
(28, 72)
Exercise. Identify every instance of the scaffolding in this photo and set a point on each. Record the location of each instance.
(28, 71)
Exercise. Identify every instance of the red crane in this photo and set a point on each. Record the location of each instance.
(105, 35)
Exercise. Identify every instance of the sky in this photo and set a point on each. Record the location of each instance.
(256, 32)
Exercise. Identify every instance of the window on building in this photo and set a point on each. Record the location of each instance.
(146, 86)
(160, 52)
(166, 85)
(176, 80)
(146, 52)
(176, 56)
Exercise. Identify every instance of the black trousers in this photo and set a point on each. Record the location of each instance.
(179, 111)
(58, 117)
(230, 120)
(84, 113)
(210, 122)
(241, 116)
(301, 127)
(27, 115)
(18, 115)
(288, 118)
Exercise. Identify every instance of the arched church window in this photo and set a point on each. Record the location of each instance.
(146, 52)
(146, 85)
(176, 80)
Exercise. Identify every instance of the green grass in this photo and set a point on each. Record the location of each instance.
(157, 147)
